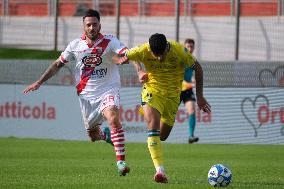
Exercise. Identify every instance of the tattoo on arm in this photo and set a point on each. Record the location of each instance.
(51, 71)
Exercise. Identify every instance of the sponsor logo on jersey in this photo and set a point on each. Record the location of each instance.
(99, 73)
(162, 66)
(92, 61)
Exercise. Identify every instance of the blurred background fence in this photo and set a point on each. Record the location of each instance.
(235, 39)
(256, 33)
(242, 74)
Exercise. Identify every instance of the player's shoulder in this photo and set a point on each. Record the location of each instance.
(141, 48)
(144, 47)
(75, 42)
(175, 45)
(110, 37)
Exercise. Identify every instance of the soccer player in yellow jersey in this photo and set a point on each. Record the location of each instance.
(165, 62)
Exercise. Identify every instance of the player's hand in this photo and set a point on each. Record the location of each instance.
(123, 60)
(120, 59)
(32, 87)
(143, 76)
(203, 104)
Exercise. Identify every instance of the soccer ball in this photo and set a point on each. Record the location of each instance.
(219, 175)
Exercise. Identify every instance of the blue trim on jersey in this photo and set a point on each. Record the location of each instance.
(188, 74)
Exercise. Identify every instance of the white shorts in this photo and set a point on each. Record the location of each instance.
(92, 109)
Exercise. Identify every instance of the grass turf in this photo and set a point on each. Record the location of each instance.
(11, 53)
(35, 163)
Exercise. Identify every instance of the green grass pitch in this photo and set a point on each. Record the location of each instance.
(12, 53)
(35, 163)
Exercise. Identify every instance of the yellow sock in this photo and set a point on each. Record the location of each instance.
(141, 112)
(155, 148)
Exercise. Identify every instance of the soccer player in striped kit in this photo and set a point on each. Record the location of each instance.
(97, 81)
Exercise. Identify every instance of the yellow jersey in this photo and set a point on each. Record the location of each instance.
(164, 78)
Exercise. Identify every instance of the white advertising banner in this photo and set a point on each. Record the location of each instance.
(239, 115)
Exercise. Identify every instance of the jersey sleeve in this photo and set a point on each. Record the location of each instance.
(67, 55)
(117, 46)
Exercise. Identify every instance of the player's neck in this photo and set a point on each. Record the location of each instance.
(93, 41)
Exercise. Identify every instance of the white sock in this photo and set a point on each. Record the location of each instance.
(160, 169)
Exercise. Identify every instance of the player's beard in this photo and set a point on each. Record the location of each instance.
(92, 35)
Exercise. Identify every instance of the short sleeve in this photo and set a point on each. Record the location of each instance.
(67, 55)
(117, 46)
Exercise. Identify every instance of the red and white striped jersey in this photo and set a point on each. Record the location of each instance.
(95, 72)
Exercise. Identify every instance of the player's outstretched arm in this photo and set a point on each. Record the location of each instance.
(49, 72)
(142, 74)
(201, 101)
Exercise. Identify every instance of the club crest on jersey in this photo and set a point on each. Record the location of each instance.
(92, 61)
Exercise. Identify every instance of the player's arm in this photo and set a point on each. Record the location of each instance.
(142, 74)
(134, 55)
(119, 50)
(199, 78)
(49, 72)
(201, 101)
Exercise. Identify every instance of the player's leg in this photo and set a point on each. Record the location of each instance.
(165, 131)
(95, 133)
(152, 118)
(168, 117)
(190, 106)
(92, 120)
(109, 108)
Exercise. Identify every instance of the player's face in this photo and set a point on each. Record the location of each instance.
(92, 27)
(190, 47)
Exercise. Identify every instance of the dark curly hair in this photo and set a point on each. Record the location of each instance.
(158, 43)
